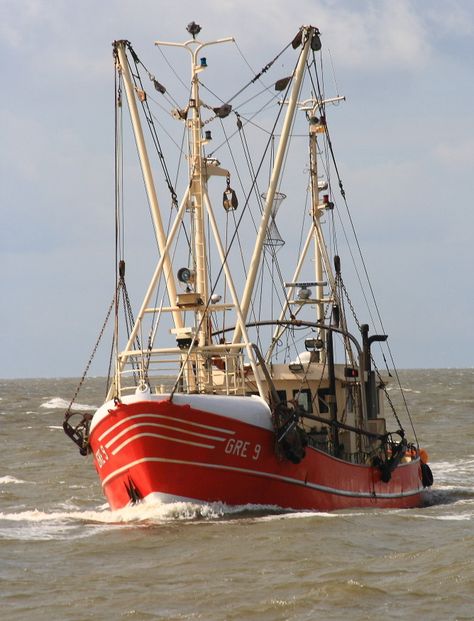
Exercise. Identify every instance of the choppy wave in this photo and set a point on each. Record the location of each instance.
(57, 403)
(460, 514)
(457, 474)
(454, 482)
(395, 388)
(8, 480)
(466, 464)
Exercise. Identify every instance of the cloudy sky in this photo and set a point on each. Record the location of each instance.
(406, 156)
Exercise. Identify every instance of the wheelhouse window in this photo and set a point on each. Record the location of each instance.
(304, 399)
(322, 403)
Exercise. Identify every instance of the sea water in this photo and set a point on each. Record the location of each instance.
(64, 555)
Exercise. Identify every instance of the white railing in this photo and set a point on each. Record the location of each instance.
(215, 369)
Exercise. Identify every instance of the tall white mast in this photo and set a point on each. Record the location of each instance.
(197, 197)
(149, 181)
(316, 215)
(197, 185)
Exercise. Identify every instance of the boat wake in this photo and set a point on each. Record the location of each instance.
(68, 522)
(448, 495)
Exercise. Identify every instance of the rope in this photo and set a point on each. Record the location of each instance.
(86, 370)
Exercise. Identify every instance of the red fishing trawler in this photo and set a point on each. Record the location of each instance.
(246, 376)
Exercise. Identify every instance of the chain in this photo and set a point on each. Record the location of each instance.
(129, 318)
(344, 290)
(387, 396)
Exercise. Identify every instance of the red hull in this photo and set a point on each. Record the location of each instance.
(164, 448)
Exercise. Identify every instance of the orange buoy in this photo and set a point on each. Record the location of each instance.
(424, 456)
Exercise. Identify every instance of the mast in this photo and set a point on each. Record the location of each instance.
(120, 47)
(199, 205)
(316, 215)
(307, 32)
(197, 176)
(197, 198)
(322, 262)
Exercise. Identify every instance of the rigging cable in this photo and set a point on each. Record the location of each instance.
(118, 206)
(244, 209)
(176, 74)
(254, 174)
(343, 194)
(260, 73)
(146, 109)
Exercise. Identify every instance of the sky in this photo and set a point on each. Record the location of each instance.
(404, 138)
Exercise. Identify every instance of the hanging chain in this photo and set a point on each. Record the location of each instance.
(348, 299)
(128, 313)
(387, 396)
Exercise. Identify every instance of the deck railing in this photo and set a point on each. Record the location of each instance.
(217, 369)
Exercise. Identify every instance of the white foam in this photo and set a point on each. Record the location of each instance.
(452, 517)
(57, 403)
(395, 388)
(40, 526)
(35, 524)
(292, 515)
(8, 480)
(157, 511)
(454, 466)
(458, 473)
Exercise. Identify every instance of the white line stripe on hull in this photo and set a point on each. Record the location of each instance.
(267, 475)
(159, 437)
(162, 426)
(167, 418)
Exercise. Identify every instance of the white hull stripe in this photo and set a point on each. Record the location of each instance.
(167, 418)
(162, 426)
(267, 475)
(160, 437)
